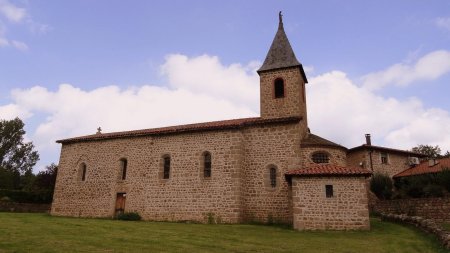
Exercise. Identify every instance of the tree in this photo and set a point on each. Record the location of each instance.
(16, 156)
(45, 180)
(381, 185)
(428, 150)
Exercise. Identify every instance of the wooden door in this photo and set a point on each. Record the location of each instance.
(120, 203)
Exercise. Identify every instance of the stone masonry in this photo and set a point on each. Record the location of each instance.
(255, 165)
(346, 210)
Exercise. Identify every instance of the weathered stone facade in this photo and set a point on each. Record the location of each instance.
(370, 157)
(346, 209)
(163, 176)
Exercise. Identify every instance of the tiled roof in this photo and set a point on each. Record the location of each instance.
(424, 168)
(329, 170)
(207, 126)
(280, 54)
(391, 150)
(314, 140)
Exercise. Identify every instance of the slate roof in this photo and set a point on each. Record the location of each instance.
(313, 140)
(389, 150)
(280, 54)
(424, 168)
(329, 170)
(198, 127)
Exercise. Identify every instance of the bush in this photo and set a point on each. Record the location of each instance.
(38, 197)
(425, 185)
(432, 190)
(381, 185)
(129, 216)
(444, 179)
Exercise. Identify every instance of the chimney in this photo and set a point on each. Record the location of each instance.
(368, 141)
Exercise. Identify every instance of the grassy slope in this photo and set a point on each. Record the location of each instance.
(43, 233)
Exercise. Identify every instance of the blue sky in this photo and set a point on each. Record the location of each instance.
(67, 67)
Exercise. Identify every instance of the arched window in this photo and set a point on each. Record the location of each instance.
(166, 167)
(273, 177)
(320, 157)
(83, 169)
(207, 164)
(279, 88)
(123, 166)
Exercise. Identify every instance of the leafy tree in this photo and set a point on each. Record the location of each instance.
(381, 185)
(45, 180)
(16, 156)
(446, 155)
(428, 150)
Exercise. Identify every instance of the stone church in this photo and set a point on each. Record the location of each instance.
(267, 168)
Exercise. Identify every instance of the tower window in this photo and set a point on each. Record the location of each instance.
(279, 88)
(123, 165)
(166, 172)
(273, 177)
(207, 164)
(320, 157)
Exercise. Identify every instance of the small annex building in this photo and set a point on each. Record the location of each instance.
(252, 169)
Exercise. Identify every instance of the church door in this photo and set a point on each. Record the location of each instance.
(120, 203)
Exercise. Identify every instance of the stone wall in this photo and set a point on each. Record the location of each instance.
(347, 209)
(437, 209)
(237, 190)
(337, 155)
(267, 147)
(24, 207)
(294, 101)
(396, 162)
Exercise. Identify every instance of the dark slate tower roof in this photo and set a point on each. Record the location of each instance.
(280, 54)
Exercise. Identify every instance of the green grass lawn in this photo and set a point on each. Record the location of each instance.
(21, 232)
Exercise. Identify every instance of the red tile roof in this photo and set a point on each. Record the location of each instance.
(207, 126)
(391, 150)
(329, 170)
(424, 168)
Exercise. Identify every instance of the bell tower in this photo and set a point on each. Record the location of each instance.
(282, 80)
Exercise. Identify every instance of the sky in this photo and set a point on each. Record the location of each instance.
(378, 67)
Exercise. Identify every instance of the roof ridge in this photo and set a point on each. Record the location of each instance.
(211, 125)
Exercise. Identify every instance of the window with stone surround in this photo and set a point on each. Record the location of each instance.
(166, 167)
(384, 158)
(329, 191)
(273, 177)
(279, 88)
(82, 173)
(123, 166)
(207, 164)
(320, 157)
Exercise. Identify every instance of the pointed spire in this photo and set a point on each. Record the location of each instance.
(280, 54)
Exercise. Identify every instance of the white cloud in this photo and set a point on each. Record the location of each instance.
(206, 75)
(354, 111)
(429, 67)
(203, 89)
(71, 111)
(19, 45)
(15, 14)
(12, 12)
(443, 23)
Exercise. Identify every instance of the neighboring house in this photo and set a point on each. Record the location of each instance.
(381, 159)
(426, 167)
(252, 169)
